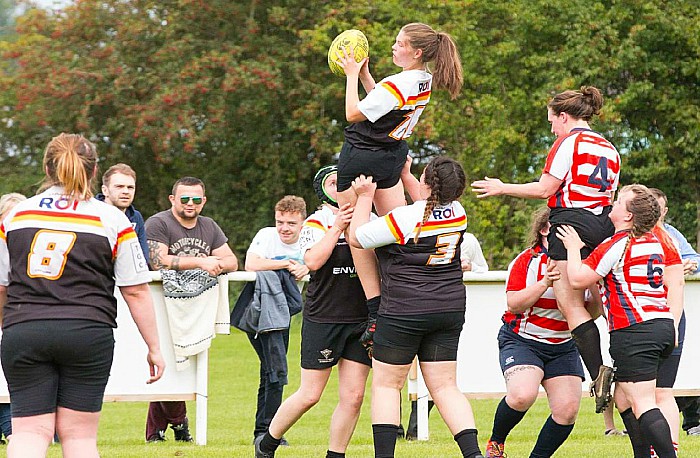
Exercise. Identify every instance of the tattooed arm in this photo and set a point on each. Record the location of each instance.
(160, 259)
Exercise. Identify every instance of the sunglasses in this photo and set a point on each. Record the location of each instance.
(186, 199)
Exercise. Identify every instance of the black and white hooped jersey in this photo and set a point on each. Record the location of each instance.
(62, 259)
(392, 110)
(418, 277)
(334, 294)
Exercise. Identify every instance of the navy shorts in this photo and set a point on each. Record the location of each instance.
(592, 229)
(431, 336)
(555, 360)
(383, 165)
(56, 363)
(323, 344)
(640, 349)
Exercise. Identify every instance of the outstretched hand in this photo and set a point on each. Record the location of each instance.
(487, 187)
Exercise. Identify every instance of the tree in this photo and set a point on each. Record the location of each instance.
(239, 94)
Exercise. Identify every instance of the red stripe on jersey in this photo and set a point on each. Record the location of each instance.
(394, 227)
(593, 172)
(419, 97)
(542, 322)
(49, 215)
(634, 286)
(444, 223)
(391, 87)
(671, 253)
(315, 223)
(126, 234)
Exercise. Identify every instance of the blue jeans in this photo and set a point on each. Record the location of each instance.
(5, 420)
(269, 393)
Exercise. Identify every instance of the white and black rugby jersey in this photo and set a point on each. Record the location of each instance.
(334, 294)
(62, 259)
(422, 277)
(392, 110)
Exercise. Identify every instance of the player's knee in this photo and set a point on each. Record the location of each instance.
(521, 400)
(565, 413)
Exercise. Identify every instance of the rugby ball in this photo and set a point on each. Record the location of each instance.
(350, 39)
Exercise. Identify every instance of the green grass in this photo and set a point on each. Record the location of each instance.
(233, 385)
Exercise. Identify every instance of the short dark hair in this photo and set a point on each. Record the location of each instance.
(188, 181)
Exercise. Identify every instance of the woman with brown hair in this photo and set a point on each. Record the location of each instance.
(579, 179)
(423, 300)
(631, 265)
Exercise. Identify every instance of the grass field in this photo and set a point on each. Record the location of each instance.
(232, 396)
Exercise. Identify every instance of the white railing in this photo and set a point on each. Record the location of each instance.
(479, 374)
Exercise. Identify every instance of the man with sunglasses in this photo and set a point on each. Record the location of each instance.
(181, 239)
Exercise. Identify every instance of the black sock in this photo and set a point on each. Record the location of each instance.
(587, 339)
(468, 443)
(269, 444)
(384, 440)
(504, 421)
(654, 426)
(330, 454)
(373, 306)
(640, 445)
(552, 435)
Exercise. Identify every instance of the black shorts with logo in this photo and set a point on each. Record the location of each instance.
(430, 336)
(639, 350)
(323, 344)
(592, 229)
(56, 363)
(383, 165)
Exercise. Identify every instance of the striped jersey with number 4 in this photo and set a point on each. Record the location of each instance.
(588, 165)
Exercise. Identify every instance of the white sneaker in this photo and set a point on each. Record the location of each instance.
(694, 431)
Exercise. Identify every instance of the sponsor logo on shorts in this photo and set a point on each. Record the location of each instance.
(327, 358)
(510, 360)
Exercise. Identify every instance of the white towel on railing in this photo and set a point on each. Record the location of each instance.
(197, 308)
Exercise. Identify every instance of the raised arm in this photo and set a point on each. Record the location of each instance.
(410, 182)
(316, 256)
(138, 299)
(364, 188)
(353, 70)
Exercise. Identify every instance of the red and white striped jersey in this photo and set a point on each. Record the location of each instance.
(671, 253)
(588, 165)
(632, 271)
(543, 321)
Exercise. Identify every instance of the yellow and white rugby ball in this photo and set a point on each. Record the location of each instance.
(351, 39)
